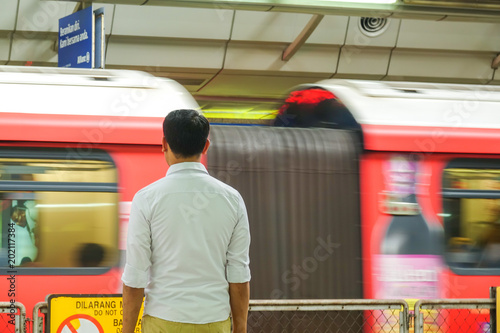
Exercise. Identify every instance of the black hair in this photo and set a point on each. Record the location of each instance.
(186, 132)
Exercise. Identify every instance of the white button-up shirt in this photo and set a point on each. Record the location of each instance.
(188, 237)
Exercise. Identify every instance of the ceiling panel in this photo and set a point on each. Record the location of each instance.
(172, 22)
(8, 14)
(4, 47)
(165, 53)
(331, 30)
(268, 27)
(37, 51)
(363, 63)
(42, 16)
(267, 57)
(464, 36)
(446, 66)
(285, 27)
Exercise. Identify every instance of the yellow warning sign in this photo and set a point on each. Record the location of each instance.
(87, 314)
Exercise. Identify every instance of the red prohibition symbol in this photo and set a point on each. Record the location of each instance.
(87, 324)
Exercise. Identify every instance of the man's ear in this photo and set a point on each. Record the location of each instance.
(164, 145)
(207, 144)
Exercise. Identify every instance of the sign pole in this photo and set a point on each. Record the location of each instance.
(99, 38)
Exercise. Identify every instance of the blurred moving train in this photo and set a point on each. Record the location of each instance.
(361, 190)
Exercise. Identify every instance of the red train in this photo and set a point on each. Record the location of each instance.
(361, 190)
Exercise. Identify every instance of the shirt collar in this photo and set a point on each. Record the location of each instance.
(193, 166)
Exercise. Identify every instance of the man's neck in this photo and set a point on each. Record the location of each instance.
(175, 160)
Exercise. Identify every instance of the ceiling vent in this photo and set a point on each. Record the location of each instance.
(373, 26)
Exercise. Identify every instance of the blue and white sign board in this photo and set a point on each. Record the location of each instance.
(77, 46)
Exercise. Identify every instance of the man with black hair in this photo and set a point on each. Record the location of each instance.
(188, 242)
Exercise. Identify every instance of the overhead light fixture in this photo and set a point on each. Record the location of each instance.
(486, 4)
(366, 1)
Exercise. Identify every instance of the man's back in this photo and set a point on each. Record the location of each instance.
(195, 222)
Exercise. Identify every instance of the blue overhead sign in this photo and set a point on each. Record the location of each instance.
(76, 39)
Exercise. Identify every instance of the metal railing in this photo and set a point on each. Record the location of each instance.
(12, 317)
(308, 316)
(319, 316)
(453, 315)
(39, 321)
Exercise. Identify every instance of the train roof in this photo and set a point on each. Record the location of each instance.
(98, 92)
(419, 104)
(83, 105)
(421, 117)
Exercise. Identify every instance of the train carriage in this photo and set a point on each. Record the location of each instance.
(429, 159)
(361, 190)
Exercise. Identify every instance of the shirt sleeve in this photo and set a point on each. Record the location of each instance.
(138, 254)
(238, 259)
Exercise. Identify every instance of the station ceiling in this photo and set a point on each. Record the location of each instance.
(229, 54)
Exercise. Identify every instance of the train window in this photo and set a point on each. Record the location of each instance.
(58, 212)
(50, 170)
(471, 202)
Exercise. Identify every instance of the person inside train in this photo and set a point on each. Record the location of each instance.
(24, 237)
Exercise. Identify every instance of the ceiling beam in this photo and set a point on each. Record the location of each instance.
(302, 37)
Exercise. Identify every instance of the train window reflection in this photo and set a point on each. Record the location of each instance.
(472, 217)
(59, 229)
(57, 212)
